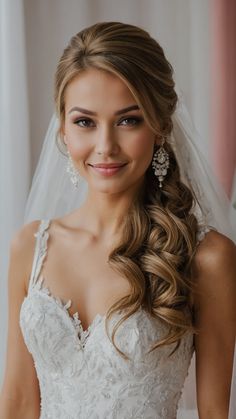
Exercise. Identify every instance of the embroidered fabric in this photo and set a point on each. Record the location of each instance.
(80, 373)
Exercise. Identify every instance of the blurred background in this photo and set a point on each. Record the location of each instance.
(198, 38)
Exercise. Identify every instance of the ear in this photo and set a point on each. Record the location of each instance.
(62, 134)
(158, 140)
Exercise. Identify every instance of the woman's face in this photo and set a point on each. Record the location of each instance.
(104, 125)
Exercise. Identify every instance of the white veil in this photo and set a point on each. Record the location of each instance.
(52, 195)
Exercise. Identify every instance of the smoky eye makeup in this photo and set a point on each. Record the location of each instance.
(131, 120)
(84, 122)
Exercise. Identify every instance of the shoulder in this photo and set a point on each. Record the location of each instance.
(215, 251)
(22, 249)
(214, 264)
(24, 236)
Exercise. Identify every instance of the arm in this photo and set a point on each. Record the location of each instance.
(20, 397)
(215, 316)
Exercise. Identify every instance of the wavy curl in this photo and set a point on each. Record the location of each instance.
(159, 232)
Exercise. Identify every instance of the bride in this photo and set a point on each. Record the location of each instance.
(110, 295)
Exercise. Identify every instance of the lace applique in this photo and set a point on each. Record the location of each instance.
(82, 333)
(94, 381)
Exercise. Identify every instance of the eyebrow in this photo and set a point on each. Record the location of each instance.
(121, 111)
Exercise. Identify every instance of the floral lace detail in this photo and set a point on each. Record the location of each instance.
(80, 373)
(82, 334)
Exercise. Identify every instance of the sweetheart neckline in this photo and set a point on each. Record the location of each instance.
(74, 318)
(82, 335)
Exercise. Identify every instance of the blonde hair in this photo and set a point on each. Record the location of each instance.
(159, 233)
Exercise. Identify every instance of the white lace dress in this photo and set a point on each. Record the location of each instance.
(80, 373)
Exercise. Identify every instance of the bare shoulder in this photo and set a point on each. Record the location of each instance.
(215, 252)
(23, 238)
(22, 248)
(214, 265)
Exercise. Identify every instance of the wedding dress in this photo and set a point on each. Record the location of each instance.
(80, 373)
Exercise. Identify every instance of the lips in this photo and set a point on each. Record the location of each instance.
(108, 165)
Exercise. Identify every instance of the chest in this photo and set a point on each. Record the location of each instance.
(82, 274)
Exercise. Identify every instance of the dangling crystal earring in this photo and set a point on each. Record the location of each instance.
(160, 163)
(73, 172)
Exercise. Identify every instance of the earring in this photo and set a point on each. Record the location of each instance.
(160, 163)
(73, 172)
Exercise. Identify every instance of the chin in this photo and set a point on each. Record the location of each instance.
(109, 189)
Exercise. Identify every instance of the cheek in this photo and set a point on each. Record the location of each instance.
(78, 144)
(141, 146)
(78, 148)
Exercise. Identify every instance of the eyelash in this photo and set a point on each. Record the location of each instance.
(137, 120)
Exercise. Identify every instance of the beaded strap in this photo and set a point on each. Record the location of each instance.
(40, 251)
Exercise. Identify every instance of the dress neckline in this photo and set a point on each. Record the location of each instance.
(82, 333)
(37, 282)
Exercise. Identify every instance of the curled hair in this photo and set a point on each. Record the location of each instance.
(159, 231)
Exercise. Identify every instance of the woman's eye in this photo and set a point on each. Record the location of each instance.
(84, 122)
(131, 121)
(88, 123)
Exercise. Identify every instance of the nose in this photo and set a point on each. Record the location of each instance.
(106, 142)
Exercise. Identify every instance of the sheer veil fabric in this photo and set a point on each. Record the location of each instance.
(51, 180)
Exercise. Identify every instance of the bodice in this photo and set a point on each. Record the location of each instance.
(81, 374)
